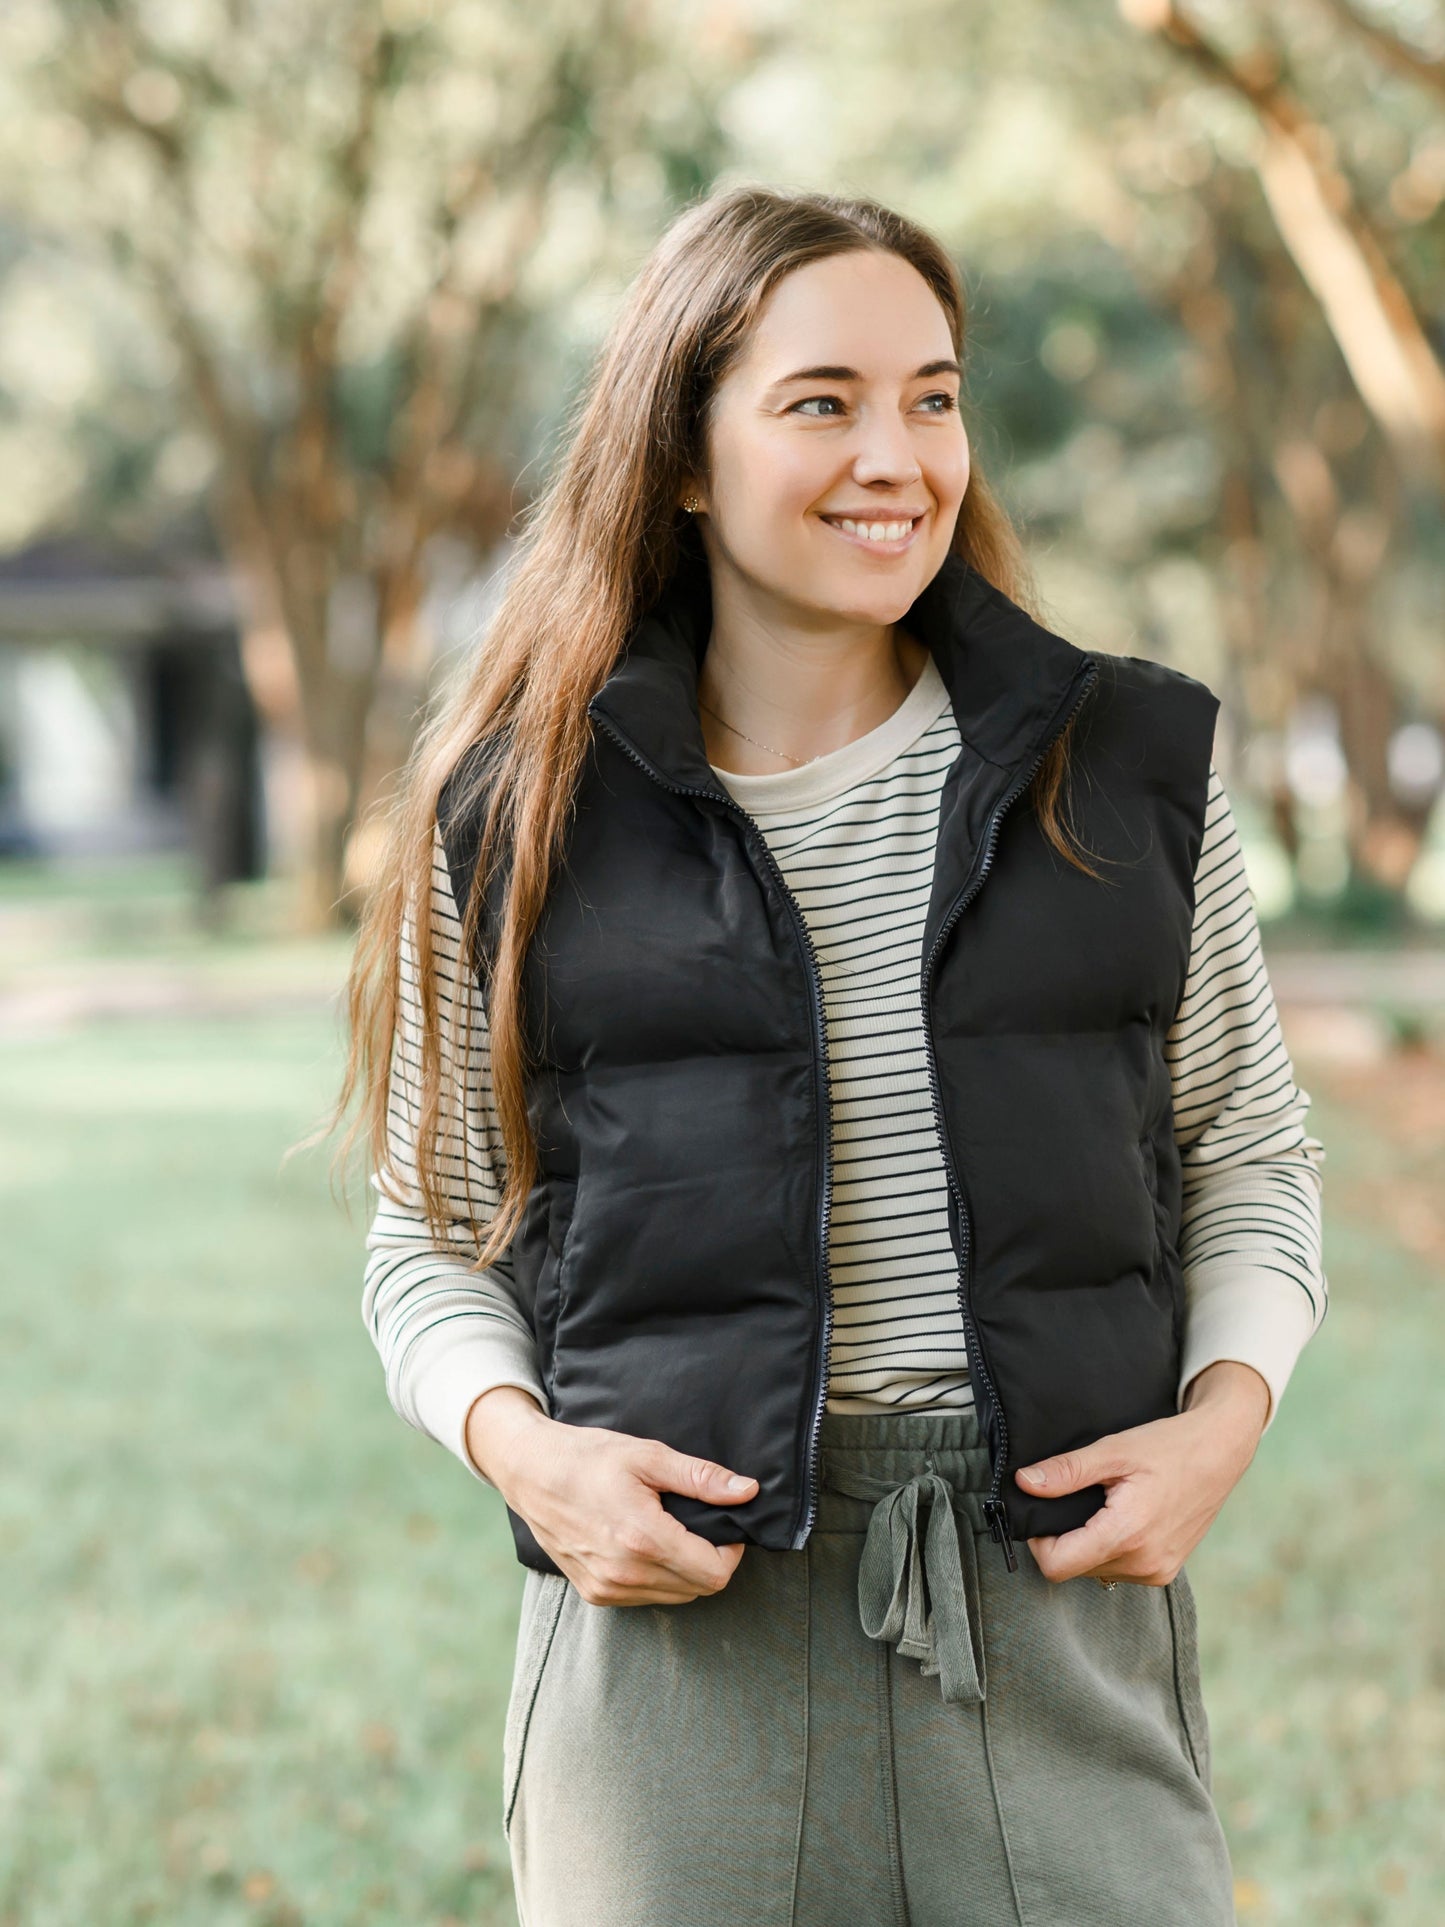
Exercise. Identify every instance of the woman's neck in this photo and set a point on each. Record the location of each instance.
(800, 696)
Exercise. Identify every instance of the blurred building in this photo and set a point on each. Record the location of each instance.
(125, 722)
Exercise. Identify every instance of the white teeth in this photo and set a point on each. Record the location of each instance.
(872, 531)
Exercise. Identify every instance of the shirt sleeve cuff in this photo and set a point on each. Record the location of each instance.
(1255, 1317)
(449, 1375)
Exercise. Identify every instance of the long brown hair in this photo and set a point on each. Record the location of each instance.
(598, 548)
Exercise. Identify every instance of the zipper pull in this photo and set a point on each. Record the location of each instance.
(997, 1517)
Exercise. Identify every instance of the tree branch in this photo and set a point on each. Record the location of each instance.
(1333, 245)
(1396, 53)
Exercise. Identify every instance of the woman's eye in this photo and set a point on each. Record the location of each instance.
(943, 397)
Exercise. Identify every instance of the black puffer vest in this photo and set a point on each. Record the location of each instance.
(673, 1252)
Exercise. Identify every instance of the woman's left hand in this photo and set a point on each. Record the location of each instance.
(1164, 1481)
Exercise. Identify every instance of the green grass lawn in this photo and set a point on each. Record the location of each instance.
(258, 1632)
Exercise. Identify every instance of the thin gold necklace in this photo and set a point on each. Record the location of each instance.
(798, 762)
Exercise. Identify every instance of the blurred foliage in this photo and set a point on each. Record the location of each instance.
(354, 260)
(185, 183)
(341, 239)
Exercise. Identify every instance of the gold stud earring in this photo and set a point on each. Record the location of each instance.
(691, 504)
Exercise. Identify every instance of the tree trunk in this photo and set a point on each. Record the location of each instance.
(315, 715)
(323, 900)
(336, 704)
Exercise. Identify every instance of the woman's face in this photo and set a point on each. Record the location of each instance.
(843, 404)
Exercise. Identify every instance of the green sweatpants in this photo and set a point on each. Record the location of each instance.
(885, 1729)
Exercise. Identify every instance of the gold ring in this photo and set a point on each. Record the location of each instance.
(1108, 1584)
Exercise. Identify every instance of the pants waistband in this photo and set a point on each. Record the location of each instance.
(884, 1444)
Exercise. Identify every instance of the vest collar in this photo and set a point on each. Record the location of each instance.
(1010, 680)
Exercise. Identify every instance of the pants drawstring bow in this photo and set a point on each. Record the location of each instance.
(917, 1575)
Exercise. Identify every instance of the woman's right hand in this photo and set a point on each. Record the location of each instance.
(590, 1498)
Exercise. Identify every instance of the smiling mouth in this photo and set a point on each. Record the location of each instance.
(886, 535)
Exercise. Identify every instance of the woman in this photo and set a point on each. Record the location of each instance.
(841, 1178)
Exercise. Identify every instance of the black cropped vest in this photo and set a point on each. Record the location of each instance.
(673, 1252)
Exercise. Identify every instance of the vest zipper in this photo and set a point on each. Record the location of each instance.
(994, 1511)
(824, 1142)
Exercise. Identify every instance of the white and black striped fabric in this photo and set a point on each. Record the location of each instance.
(854, 833)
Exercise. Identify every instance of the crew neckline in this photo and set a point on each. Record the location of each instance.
(828, 776)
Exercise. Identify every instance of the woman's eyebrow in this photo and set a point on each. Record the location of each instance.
(945, 367)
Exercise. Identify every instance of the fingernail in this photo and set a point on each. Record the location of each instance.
(737, 1483)
(1037, 1474)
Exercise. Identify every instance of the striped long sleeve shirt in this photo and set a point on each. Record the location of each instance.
(853, 833)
